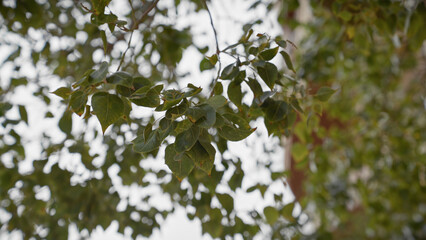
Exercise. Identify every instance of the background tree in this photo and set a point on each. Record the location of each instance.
(358, 161)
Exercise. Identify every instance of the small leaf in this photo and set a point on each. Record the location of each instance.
(218, 88)
(269, 74)
(299, 152)
(205, 64)
(324, 93)
(63, 92)
(271, 214)
(180, 164)
(104, 41)
(235, 129)
(100, 74)
(78, 101)
(121, 78)
(268, 54)
(288, 61)
(287, 211)
(108, 108)
(151, 98)
(185, 140)
(275, 110)
(23, 113)
(213, 59)
(281, 43)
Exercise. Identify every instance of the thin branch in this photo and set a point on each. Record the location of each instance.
(142, 18)
(217, 45)
(135, 26)
(124, 54)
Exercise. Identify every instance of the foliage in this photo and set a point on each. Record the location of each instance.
(355, 105)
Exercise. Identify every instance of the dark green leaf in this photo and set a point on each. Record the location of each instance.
(108, 108)
(275, 110)
(288, 61)
(23, 113)
(145, 145)
(234, 93)
(185, 140)
(268, 54)
(269, 74)
(62, 92)
(205, 64)
(104, 40)
(65, 123)
(180, 164)
(255, 87)
(100, 74)
(203, 155)
(226, 201)
(78, 101)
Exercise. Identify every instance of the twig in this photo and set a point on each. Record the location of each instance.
(124, 54)
(217, 46)
(135, 26)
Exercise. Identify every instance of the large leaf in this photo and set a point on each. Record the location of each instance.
(203, 115)
(108, 108)
(185, 140)
(217, 101)
(271, 214)
(180, 164)
(269, 74)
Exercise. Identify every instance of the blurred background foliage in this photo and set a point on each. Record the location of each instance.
(357, 161)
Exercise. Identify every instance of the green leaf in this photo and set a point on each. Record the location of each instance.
(213, 59)
(269, 74)
(180, 164)
(235, 129)
(205, 64)
(234, 93)
(275, 110)
(226, 201)
(229, 72)
(144, 145)
(287, 60)
(108, 108)
(179, 110)
(151, 98)
(281, 43)
(287, 211)
(23, 113)
(268, 54)
(100, 74)
(65, 123)
(78, 101)
(218, 88)
(217, 101)
(104, 41)
(203, 155)
(271, 214)
(185, 140)
(121, 78)
(255, 87)
(324, 93)
(63, 92)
